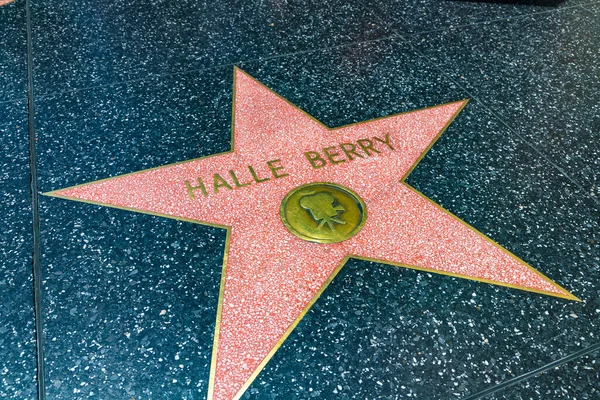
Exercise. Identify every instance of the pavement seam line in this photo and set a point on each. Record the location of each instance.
(530, 374)
(35, 264)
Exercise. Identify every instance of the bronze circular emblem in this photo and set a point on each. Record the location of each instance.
(323, 212)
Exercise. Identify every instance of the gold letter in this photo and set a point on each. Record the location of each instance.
(313, 156)
(235, 180)
(256, 178)
(385, 141)
(191, 188)
(218, 182)
(331, 155)
(274, 169)
(349, 149)
(366, 147)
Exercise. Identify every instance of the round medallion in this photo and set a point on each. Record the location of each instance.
(323, 212)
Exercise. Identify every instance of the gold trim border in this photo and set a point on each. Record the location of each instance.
(210, 395)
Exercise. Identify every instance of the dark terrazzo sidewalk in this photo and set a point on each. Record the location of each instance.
(129, 300)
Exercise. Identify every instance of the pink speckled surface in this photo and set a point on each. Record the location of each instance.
(272, 275)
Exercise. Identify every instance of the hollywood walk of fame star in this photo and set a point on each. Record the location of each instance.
(271, 276)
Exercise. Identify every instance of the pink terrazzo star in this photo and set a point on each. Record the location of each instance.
(271, 277)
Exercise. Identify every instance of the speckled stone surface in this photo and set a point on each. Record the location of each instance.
(377, 331)
(17, 345)
(125, 319)
(78, 45)
(574, 380)
(540, 74)
(129, 300)
(13, 67)
(123, 344)
(123, 128)
(409, 17)
(593, 7)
